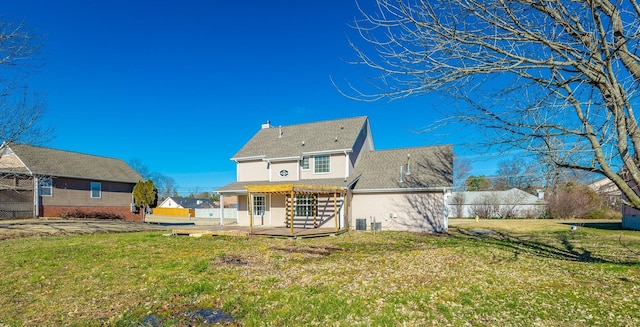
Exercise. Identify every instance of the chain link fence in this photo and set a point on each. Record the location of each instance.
(14, 210)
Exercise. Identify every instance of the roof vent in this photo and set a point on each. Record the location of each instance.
(279, 131)
(266, 125)
(408, 164)
(401, 177)
(336, 140)
(302, 143)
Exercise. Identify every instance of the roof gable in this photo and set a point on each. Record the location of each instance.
(428, 167)
(51, 162)
(295, 140)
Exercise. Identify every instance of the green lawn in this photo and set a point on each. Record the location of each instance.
(526, 273)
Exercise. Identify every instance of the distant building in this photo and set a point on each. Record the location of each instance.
(513, 203)
(187, 203)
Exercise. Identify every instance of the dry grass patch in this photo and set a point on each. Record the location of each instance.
(547, 276)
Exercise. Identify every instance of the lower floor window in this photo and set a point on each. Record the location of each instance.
(259, 205)
(304, 205)
(96, 190)
(46, 187)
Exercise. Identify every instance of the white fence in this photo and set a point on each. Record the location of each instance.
(215, 213)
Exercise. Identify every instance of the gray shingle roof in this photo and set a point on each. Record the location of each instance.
(60, 163)
(194, 203)
(287, 141)
(430, 167)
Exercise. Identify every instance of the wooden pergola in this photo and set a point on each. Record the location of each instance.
(292, 190)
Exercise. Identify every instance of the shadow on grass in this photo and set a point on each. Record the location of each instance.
(560, 247)
(598, 225)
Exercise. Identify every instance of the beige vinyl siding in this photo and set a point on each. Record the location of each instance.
(411, 211)
(337, 170)
(291, 167)
(252, 171)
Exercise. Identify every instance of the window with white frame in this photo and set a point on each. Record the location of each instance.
(322, 164)
(46, 187)
(259, 205)
(96, 190)
(304, 205)
(305, 163)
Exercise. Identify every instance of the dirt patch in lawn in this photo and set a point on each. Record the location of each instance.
(20, 228)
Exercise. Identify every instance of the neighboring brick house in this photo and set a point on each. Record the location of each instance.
(327, 175)
(61, 182)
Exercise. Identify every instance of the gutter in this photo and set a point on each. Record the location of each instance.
(327, 152)
(403, 190)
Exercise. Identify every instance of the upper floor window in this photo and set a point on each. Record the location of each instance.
(305, 163)
(322, 164)
(96, 190)
(46, 187)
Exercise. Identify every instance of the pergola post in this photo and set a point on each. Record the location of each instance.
(335, 210)
(250, 212)
(315, 210)
(291, 211)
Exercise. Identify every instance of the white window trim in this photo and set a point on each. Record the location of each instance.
(40, 187)
(308, 204)
(329, 164)
(308, 163)
(253, 204)
(91, 190)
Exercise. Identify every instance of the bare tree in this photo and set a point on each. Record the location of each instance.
(165, 185)
(516, 173)
(558, 78)
(20, 110)
(509, 205)
(486, 206)
(458, 204)
(461, 169)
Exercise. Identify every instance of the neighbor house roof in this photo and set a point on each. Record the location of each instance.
(425, 168)
(191, 203)
(296, 140)
(511, 196)
(36, 160)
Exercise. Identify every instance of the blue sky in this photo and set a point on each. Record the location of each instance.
(182, 85)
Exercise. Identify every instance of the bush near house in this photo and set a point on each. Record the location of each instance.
(578, 201)
(82, 214)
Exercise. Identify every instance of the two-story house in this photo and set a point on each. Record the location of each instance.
(328, 175)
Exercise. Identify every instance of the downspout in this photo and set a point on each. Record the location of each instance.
(36, 196)
(346, 165)
(445, 210)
